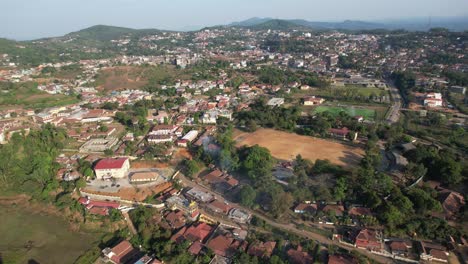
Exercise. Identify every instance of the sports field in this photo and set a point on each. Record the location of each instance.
(287, 146)
(368, 114)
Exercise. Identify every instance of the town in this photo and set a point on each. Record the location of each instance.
(260, 144)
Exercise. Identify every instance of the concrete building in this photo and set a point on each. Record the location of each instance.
(112, 168)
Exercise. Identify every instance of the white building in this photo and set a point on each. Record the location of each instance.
(433, 100)
(112, 168)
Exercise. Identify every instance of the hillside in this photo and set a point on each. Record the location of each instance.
(107, 33)
(276, 24)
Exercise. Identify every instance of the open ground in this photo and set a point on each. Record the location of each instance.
(286, 146)
(32, 237)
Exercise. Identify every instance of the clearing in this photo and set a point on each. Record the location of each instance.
(30, 237)
(287, 146)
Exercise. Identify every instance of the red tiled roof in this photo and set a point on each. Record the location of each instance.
(110, 163)
(121, 250)
(195, 248)
(221, 245)
(262, 250)
(198, 233)
(340, 259)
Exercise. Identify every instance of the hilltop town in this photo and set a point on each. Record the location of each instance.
(244, 144)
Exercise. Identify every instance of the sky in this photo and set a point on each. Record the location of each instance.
(31, 19)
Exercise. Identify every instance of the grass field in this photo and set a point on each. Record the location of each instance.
(335, 110)
(136, 77)
(283, 145)
(26, 236)
(27, 95)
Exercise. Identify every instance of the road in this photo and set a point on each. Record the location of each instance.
(397, 102)
(288, 227)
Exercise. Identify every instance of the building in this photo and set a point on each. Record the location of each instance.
(145, 176)
(302, 208)
(452, 202)
(341, 259)
(433, 100)
(112, 168)
(297, 256)
(275, 101)
(239, 216)
(432, 252)
(400, 248)
(369, 239)
(223, 245)
(312, 100)
(190, 136)
(159, 139)
(342, 133)
(121, 253)
(458, 89)
(163, 130)
(262, 249)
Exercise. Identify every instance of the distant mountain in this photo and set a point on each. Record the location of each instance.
(107, 33)
(421, 24)
(277, 24)
(250, 22)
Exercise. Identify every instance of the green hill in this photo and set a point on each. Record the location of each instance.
(107, 33)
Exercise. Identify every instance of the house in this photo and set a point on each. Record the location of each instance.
(163, 130)
(341, 133)
(158, 139)
(357, 211)
(333, 209)
(198, 232)
(312, 100)
(433, 100)
(145, 176)
(368, 239)
(239, 215)
(112, 168)
(303, 208)
(275, 102)
(341, 259)
(432, 252)
(262, 249)
(175, 219)
(452, 202)
(195, 248)
(223, 245)
(297, 256)
(219, 207)
(400, 248)
(121, 253)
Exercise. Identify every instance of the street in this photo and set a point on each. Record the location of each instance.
(394, 112)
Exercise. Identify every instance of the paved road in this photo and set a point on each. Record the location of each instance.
(289, 227)
(394, 114)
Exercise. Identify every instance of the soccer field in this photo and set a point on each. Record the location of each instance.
(334, 110)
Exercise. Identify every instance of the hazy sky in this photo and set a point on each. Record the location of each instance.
(29, 19)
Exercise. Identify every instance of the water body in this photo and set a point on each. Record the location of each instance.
(27, 237)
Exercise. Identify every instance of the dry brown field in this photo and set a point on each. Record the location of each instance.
(287, 146)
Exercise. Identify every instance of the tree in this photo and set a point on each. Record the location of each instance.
(258, 163)
(190, 168)
(247, 196)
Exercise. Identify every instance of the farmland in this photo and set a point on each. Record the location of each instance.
(286, 146)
